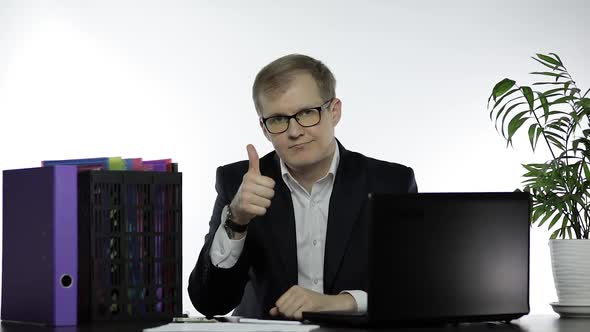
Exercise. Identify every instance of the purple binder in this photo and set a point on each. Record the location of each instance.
(39, 245)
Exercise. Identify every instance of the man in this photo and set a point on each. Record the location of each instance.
(287, 233)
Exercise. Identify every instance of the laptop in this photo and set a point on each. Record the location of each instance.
(443, 258)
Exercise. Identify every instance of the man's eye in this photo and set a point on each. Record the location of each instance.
(307, 113)
(277, 120)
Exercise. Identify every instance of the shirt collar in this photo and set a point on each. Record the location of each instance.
(287, 177)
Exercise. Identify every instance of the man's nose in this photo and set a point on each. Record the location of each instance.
(295, 129)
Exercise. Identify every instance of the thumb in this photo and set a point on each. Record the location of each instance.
(253, 158)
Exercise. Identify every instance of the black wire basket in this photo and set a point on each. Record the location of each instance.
(130, 245)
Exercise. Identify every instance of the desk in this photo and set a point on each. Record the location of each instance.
(546, 323)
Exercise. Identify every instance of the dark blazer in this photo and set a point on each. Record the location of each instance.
(269, 257)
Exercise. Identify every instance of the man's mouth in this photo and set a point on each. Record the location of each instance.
(297, 145)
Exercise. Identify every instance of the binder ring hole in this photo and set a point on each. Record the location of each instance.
(66, 281)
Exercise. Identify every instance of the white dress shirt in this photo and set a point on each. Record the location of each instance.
(311, 220)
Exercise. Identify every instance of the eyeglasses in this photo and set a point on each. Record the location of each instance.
(308, 117)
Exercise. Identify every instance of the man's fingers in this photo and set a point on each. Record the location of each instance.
(254, 162)
(294, 305)
(263, 192)
(255, 210)
(298, 315)
(252, 179)
(265, 181)
(250, 199)
(260, 201)
(284, 298)
(274, 311)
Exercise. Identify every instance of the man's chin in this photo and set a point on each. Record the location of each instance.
(299, 163)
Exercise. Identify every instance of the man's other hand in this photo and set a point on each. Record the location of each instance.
(298, 299)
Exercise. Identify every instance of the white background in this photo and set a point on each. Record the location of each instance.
(157, 79)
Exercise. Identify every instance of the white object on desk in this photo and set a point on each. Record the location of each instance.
(264, 326)
(267, 321)
(566, 310)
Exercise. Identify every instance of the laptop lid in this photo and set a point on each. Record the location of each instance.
(449, 257)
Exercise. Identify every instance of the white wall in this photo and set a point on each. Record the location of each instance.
(172, 79)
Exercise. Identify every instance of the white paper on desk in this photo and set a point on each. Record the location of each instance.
(232, 327)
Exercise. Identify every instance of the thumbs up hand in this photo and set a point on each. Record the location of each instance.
(255, 192)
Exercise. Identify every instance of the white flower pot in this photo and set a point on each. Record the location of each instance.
(570, 260)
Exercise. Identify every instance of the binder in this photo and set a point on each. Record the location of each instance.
(39, 245)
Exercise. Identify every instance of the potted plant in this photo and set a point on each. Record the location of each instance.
(557, 115)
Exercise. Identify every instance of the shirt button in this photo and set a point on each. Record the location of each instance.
(315, 281)
(315, 242)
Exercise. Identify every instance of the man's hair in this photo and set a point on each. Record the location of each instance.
(276, 77)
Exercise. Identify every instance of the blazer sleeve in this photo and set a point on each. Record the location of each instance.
(412, 185)
(213, 290)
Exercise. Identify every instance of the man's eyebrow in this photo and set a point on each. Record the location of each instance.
(298, 110)
(276, 114)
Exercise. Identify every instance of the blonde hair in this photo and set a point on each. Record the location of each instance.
(275, 77)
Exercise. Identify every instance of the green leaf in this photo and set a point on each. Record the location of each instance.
(517, 121)
(531, 167)
(557, 57)
(576, 198)
(554, 220)
(555, 234)
(532, 130)
(499, 111)
(563, 225)
(545, 105)
(575, 117)
(538, 212)
(556, 112)
(539, 132)
(550, 92)
(499, 101)
(528, 94)
(553, 67)
(546, 217)
(583, 112)
(506, 114)
(557, 127)
(561, 100)
(502, 87)
(553, 83)
(546, 73)
(584, 102)
(549, 59)
(555, 142)
(550, 133)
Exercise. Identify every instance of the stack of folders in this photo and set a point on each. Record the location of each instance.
(117, 164)
(40, 237)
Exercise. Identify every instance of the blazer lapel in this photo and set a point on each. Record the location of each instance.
(281, 219)
(348, 196)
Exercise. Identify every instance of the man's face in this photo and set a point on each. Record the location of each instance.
(302, 147)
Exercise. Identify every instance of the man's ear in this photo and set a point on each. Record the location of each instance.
(336, 112)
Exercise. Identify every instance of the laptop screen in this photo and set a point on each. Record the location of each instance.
(448, 256)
